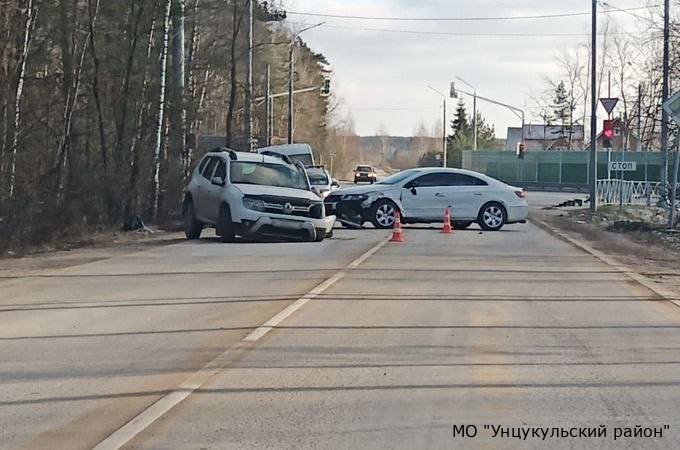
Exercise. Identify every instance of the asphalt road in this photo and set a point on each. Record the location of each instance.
(515, 328)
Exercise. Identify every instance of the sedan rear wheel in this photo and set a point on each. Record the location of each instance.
(492, 217)
(384, 214)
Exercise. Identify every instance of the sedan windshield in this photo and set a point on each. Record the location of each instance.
(266, 174)
(399, 177)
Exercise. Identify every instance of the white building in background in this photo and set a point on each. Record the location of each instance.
(546, 137)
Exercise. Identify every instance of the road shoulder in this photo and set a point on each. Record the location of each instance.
(648, 264)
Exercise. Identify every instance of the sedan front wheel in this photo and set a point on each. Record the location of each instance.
(384, 214)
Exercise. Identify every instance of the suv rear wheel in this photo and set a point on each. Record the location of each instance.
(192, 227)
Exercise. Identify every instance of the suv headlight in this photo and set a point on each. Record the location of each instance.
(253, 203)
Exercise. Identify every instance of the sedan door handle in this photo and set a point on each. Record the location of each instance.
(439, 195)
(478, 193)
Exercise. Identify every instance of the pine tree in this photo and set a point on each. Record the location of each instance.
(561, 104)
(563, 111)
(460, 126)
(462, 135)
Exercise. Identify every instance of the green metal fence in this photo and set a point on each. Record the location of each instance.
(558, 168)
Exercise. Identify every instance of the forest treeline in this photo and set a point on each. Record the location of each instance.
(103, 105)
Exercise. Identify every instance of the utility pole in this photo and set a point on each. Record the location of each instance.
(593, 112)
(444, 135)
(291, 81)
(609, 116)
(249, 80)
(474, 118)
(444, 125)
(268, 106)
(291, 72)
(474, 110)
(639, 119)
(665, 94)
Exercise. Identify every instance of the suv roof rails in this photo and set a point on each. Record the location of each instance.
(232, 153)
(285, 158)
(317, 166)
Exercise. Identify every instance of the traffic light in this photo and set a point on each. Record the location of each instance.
(326, 88)
(608, 133)
(520, 150)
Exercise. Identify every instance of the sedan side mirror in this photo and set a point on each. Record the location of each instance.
(217, 181)
(335, 184)
(413, 190)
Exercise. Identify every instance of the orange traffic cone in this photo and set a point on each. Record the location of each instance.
(448, 228)
(398, 233)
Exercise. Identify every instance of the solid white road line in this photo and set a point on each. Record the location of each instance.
(661, 291)
(154, 412)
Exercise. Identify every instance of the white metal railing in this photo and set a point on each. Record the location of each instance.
(614, 192)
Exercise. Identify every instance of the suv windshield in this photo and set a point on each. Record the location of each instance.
(305, 159)
(398, 177)
(363, 169)
(317, 178)
(266, 174)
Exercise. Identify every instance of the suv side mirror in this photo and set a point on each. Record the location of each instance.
(217, 181)
(335, 183)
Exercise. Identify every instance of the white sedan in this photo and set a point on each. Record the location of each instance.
(422, 196)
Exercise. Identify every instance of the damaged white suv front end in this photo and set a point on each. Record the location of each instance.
(251, 195)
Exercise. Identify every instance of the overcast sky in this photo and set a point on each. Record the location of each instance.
(391, 70)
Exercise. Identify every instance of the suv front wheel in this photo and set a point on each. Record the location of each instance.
(225, 227)
(192, 227)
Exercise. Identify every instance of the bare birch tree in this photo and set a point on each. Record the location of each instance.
(31, 11)
(161, 110)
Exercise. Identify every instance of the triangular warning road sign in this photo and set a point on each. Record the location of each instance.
(609, 104)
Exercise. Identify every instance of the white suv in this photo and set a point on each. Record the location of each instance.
(248, 194)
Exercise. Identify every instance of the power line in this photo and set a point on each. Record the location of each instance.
(627, 11)
(463, 19)
(444, 33)
(388, 108)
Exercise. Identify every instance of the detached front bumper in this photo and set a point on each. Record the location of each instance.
(351, 213)
(272, 226)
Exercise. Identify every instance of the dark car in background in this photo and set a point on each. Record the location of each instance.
(365, 174)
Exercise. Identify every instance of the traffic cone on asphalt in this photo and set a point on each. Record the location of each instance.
(397, 233)
(448, 228)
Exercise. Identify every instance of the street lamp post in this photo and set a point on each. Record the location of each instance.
(474, 109)
(291, 81)
(516, 111)
(593, 113)
(443, 125)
